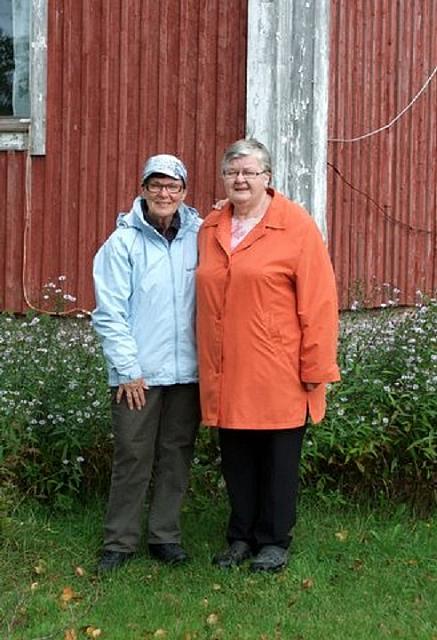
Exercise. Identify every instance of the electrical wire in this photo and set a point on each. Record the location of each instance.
(395, 119)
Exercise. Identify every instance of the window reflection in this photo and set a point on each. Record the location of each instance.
(14, 58)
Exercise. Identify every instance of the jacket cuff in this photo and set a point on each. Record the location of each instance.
(131, 374)
(328, 375)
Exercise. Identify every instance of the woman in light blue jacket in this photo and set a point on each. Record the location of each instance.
(144, 277)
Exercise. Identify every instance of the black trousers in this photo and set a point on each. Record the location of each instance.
(261, 472)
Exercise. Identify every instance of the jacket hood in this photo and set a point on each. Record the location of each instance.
(189, 217)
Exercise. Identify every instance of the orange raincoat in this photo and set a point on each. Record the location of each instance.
(266, 320)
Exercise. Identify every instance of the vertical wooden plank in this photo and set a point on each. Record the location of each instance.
(73, 118)
(430, 171)
(187, 90)
(109, 121)
(89, 158)
(207, 94)
(33, 239)
(151, 120)
(3, 238)
(13, 229)
(337, 213)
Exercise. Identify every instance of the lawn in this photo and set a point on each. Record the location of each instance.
(354, 573)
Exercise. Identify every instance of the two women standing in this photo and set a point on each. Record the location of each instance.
(266, 338)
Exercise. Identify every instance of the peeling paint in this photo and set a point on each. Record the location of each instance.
(13, 141)
(38, 77)
(287, 88)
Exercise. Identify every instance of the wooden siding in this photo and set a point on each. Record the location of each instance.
(126, 79)
(12, 207)
(382, 203)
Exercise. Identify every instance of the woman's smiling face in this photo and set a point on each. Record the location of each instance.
(245, 180)
(163, 196)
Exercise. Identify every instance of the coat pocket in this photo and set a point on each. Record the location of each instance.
(286, 349)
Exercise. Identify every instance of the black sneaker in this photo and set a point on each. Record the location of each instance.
(169, 553)
(270, 558)
(112, 560)
(237, 552)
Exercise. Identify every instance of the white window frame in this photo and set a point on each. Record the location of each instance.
(19, 134)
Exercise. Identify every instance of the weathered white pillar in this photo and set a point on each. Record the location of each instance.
(38, 77)
(287, 95)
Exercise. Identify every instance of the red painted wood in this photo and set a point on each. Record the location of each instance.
(14, 203)
(126, 79)
(3, 239)
(382, 190)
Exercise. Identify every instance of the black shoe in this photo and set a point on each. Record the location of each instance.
(169, 553)
(270, 558)
(237, 552)
(111, 560)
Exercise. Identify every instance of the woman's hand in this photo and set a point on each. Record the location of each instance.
(220, 204)
(135, 392)
(310, 386)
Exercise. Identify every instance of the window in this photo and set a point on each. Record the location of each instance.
(23, 53)
(14, 58)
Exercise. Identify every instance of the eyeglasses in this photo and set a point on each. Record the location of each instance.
(157, 187)
(248, 174)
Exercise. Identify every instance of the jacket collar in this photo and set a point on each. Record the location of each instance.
(189, 218)
(273, 219)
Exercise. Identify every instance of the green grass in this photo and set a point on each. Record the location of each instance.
(354, 573)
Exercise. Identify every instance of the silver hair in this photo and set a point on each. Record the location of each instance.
(248, 147)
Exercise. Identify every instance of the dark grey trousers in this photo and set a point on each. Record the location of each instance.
(156, 442)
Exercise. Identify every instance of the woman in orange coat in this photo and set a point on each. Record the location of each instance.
(267, 335)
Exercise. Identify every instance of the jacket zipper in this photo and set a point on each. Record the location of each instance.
(176, 333)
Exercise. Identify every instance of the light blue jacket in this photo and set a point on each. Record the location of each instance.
(145, 293)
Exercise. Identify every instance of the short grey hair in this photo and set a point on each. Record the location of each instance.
(248, 147)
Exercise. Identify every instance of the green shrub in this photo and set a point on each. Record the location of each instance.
(54, 421)
(379, 434)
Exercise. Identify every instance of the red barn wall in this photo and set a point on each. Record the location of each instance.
(126, 79)
(129, 78)
(382, 213)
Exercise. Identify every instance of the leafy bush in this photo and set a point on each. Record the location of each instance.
(54, 421)
(380, 430)
(379, 433)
